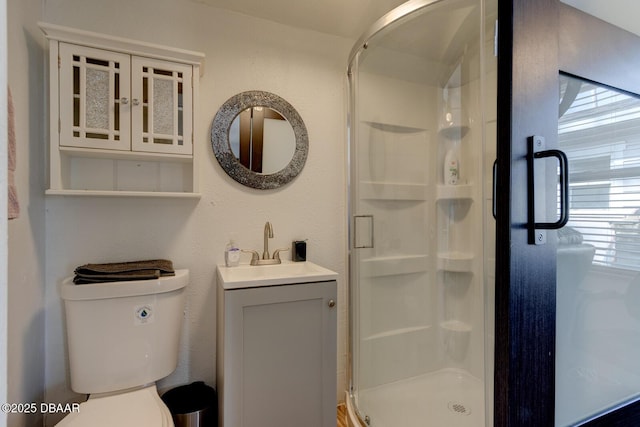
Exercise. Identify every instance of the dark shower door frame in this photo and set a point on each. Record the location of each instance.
(538, 39)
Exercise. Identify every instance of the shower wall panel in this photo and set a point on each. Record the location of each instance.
(396, 276)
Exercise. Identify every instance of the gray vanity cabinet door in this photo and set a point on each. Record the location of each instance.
(280, 356)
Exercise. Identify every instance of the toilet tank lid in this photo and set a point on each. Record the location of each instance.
(93, 291)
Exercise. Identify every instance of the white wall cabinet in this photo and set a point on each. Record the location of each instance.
(122, 116)
(276, 363)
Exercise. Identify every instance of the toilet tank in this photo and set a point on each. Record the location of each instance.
(123, 334)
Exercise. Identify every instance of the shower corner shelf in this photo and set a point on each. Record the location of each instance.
(457, 262)
(454, 132)
(454, 192)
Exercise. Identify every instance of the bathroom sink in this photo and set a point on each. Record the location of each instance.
(251, 276)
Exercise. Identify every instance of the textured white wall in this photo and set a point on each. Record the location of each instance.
(26, 291)
(306, 68)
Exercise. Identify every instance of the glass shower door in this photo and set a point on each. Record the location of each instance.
(419, 131)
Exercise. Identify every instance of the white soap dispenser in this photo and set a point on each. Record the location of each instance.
(451, 167)
(231, 254)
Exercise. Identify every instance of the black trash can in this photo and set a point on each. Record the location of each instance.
(193, 405)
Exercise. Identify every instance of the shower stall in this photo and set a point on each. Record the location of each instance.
(422, 125)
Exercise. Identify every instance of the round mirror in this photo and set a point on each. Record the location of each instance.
(262, 140)
(259, 139)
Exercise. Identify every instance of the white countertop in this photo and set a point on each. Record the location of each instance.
(251, 276)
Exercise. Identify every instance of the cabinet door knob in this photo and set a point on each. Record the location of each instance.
(124, 101)
(332, 303)
(135, 101)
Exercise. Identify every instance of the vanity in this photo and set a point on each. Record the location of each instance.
(276, 345)
(276, 320)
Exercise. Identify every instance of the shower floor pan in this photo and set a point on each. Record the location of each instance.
(448, 397)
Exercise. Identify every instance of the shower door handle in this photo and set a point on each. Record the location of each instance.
(362, 235)
(537, 234)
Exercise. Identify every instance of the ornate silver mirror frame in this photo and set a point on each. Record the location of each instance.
(222, 149)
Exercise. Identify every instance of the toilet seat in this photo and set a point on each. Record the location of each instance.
(138, 408)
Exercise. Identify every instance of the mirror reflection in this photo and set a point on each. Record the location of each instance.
(259, 139)
(262, 140)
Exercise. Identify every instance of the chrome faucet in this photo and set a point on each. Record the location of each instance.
(266, 259)
(268, 234)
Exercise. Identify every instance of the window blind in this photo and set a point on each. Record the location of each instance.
(600, 133)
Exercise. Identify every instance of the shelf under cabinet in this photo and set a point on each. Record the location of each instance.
(117, 193)
(109, 173)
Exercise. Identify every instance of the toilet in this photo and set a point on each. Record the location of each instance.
(122, 337)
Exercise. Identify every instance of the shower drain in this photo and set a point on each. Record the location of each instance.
(459, 408)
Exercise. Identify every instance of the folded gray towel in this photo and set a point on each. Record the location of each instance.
(123, 271)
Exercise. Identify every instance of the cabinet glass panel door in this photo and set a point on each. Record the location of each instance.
(94, 92)
(162, 106)
(598, 270)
